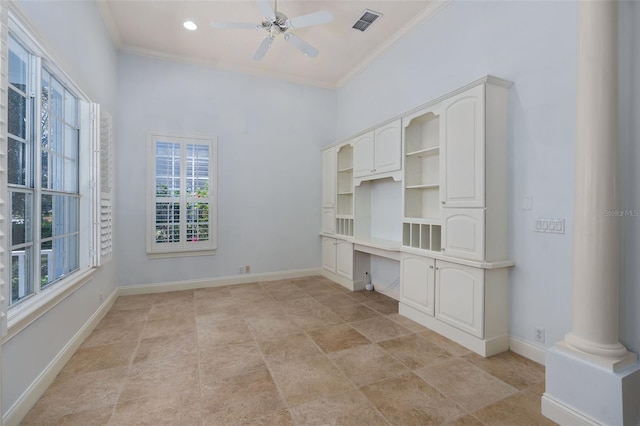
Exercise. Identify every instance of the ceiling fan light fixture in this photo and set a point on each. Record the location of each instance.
(190, 25)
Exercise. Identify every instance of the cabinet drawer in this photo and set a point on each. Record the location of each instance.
(459, 297)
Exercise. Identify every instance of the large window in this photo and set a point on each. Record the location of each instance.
(182, 200)
(42, 171)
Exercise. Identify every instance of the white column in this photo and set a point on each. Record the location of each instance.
(596, 239)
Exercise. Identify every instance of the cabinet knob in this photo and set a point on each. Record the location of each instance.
(430, 267)
(442, 202)
(442, 249)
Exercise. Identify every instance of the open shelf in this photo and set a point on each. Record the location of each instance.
(428, 186)
(422, 202)
(345, 188)
(422, 133)
(344, 226)
(422, 236)
(435, 150)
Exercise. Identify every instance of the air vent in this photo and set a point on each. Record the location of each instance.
(368, 17)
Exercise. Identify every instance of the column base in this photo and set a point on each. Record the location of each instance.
(582, 390)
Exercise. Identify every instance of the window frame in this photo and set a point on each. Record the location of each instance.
(182, 247)
(29, 309)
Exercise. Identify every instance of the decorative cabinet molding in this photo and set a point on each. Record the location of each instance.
(329, 220)
(464, 236)
(363, 152)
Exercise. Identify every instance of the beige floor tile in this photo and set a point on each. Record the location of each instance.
(125, 317)
(87, 359)
(220, 362)
(336, 299)
(349, 408)
(212, 292)
(240, 398)
(287, 293)
(178, 311)
(385, 307)
(218, 317)
(337, 338)
(279, 418)
(223, 333)
(287, 348)
(97, 417)
(114, 334)
(181, 408)
(133, 302)
(174, 297)
(161, 376)
(409, 400)
(380, 328)
(354, 312)
(265, 310)
(303, 380)
(446, 344)
(214, 305)
(310, 318)
(511, 368)
(169, 327)
(75, 394)
(365, 296)
(467, 420)
(266, 328)
(319, 290)
(300, 303)
(278, 285)
(467, 385)
(166, 346)
(522, 409)
(407, 323)
(415, 351)
(367, 364)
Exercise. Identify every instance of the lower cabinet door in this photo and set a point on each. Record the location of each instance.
(344, 259)
(460, 297)
(329, 254)
(417, 277)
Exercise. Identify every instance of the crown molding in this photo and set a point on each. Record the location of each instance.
(109, 22)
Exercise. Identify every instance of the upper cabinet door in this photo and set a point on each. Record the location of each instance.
(329, 177)
(388, 148)
(363, 155)
(462, 153)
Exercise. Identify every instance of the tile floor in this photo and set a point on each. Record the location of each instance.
(295, 352)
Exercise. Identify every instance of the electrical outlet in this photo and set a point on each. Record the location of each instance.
(247, 269)
(553, 226)
(539, 335)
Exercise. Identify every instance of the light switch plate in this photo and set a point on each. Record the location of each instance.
(551, 226)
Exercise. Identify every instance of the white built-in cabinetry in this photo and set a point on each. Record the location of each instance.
(328, 190)
(443, 166)
(378, 152)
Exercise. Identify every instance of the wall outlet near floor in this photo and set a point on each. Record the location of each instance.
(247, 269)
(539, 335)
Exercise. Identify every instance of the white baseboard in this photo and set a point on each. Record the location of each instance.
(130, 290)
(27, 400)
(527, 350)
(564, 415)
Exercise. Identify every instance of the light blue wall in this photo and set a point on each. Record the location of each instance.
(269, 180)
(74, 34)
(532, 44)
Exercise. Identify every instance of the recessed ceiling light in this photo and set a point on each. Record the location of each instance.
(190, 25)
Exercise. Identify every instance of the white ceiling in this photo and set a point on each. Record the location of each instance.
(155, 28)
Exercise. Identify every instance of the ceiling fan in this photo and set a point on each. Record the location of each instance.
(275, 23)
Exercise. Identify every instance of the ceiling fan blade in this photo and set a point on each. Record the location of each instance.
(266, 9)
(304, 47)
(234, 25)
(316, 18)
(262, 48)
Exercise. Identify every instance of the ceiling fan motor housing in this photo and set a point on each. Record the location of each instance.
(281, 22)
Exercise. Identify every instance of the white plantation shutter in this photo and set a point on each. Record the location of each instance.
(4, 224)
(102, 245)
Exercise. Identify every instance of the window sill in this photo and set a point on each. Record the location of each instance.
(22, 315)
(167, 254)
